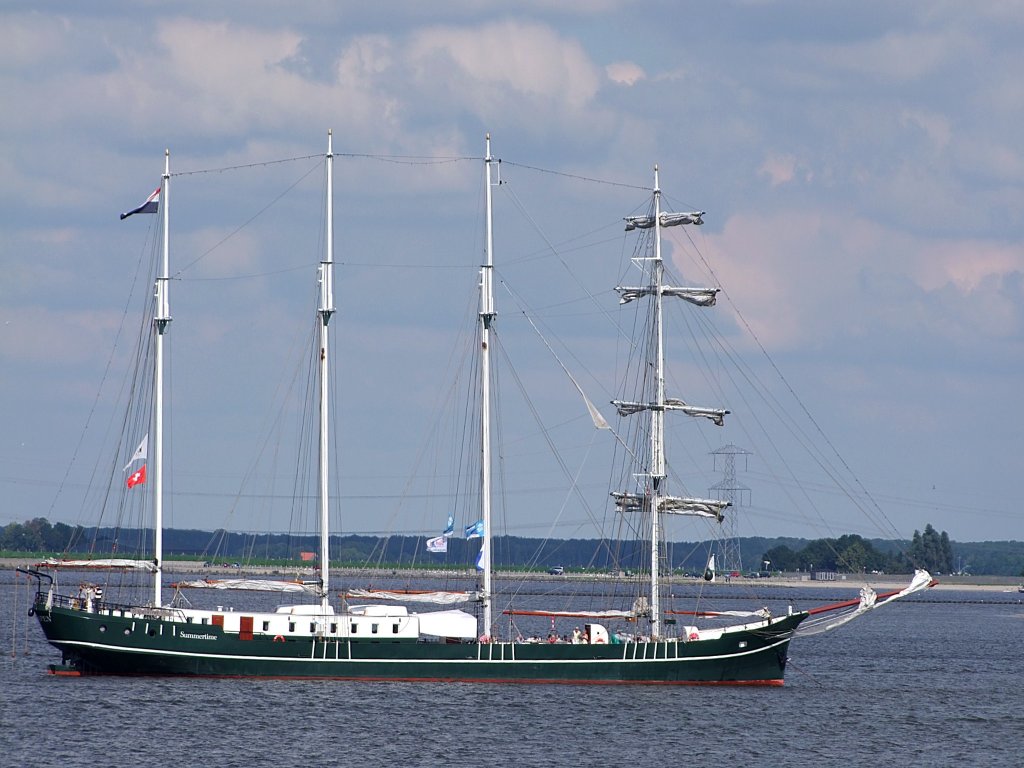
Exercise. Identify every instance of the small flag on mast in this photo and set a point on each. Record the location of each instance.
(482, 559)
(150, 206)
(138, 477)
(476, 530)
(437, 545)
(140, 452)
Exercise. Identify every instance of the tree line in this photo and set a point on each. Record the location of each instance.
(853, 554)
(846, 554)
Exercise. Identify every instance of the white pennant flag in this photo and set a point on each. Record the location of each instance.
(438, 545)
(140, 452)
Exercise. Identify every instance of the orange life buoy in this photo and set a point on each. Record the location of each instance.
(278, 638)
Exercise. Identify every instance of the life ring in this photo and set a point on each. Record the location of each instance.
(278, 638)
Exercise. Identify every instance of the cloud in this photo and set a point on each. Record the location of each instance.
(625, 73)
(780, 169)
(809, 279)
(510, 58)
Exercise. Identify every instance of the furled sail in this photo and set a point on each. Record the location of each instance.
(574, 614)
(667, 220)
(412, 596)
(115, 562)
(251, 585)
(868, 601)
(701, 297)
(760, 613)
(717, 415)
(678, 505)
(672, 505)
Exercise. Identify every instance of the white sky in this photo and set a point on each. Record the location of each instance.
(862, 167)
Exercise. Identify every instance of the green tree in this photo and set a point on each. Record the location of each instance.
(931, 550)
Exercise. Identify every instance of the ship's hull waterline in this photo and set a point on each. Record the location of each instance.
(99, 643)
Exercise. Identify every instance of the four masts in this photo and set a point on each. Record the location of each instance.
(654, 498)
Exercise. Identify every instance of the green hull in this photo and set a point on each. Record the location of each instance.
(102, 644)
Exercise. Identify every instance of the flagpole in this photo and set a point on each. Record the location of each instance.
(161, 319)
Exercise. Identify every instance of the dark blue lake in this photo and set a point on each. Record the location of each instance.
(933, 681)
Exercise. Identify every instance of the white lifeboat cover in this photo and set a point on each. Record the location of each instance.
(448, 624)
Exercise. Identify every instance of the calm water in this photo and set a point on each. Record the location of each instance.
(936, 683)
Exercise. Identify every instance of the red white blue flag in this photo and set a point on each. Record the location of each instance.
(150, 206)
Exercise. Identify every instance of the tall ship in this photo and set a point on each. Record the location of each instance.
(368, 635)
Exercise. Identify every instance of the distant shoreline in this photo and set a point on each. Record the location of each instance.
(842, 581)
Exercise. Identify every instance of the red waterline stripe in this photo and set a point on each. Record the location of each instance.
(775, 683)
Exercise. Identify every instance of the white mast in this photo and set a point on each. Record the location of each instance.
(486, 318)
(657, 417)
(326, 309)
(655, 499)
(161, 319)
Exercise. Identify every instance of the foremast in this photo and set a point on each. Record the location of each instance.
(654, 498)
(325, 311)
(487, 315)
(161, 321)
(657, 477)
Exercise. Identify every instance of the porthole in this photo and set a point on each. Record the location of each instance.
(103, 627)
(127, 631)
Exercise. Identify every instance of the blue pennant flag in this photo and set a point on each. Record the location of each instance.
(481, 559)
(449, 529)
(476, 530)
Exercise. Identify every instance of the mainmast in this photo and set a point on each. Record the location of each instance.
(161, 319)
(487, 315)
(325, 311)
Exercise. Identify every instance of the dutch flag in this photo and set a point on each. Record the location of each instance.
(150, 206)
